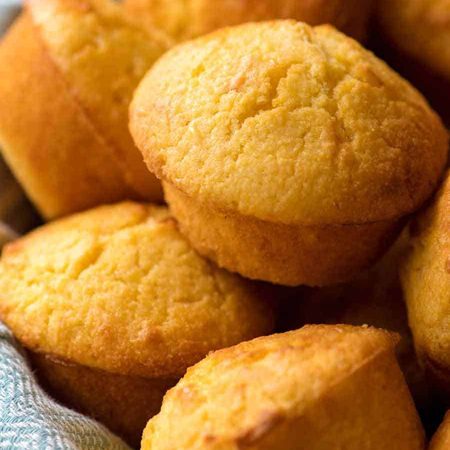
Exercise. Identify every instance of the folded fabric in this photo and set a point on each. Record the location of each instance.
(30, 419)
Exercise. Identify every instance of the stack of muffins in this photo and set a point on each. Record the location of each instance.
(263, 307)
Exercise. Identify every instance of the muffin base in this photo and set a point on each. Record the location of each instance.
(122, 403)
(314, 255)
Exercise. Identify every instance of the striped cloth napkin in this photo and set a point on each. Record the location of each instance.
(29, 418)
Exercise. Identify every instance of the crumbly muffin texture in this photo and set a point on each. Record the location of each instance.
(288, 123)
(119, 289)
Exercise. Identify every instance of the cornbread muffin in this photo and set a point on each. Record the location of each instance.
(290, 144)
(319, 387)
(187, 19)
(426, 285)
(114, 305)
(441, 440)
(420, 28)
(68, 69)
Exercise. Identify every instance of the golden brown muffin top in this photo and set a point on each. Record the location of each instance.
(186, 19)
(421, 28)
(118, 288)
(441, 440)
(290, 124)
(102, 56)
(239, 393)
(426, 279)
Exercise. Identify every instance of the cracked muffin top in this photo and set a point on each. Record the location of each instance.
(421, 28)
(218, 404)
(118, 288)
(288, 123)
(186, 19)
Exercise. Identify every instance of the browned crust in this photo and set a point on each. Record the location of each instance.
(367, 405)
(63, 163)
(122, 403)
(284, 254)
(335, 417)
